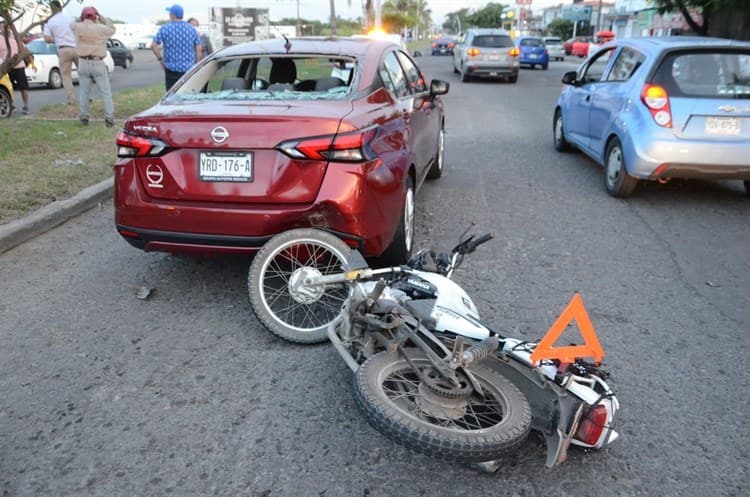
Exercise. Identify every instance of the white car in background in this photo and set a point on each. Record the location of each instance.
(45, 68)
(554, 47)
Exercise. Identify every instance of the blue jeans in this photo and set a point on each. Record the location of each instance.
(94, 71)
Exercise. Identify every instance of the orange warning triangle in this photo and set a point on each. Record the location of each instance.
(591, 347)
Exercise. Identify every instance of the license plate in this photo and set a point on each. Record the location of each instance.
(442, 50)
(532, 56)
(722, 126)
(226, 166)
(493, 57)
(493, 74)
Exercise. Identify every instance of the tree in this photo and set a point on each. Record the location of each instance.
(398, 15)
(735, 10)
(457, 20)
(562, 28)
(489, 16)
(10, 15)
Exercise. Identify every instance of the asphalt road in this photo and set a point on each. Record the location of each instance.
(145, 71)
(104, 394)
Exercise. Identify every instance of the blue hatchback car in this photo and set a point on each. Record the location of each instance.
(660, 108)
(532, 52)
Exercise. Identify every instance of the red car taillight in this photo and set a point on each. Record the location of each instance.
(514, 52)
(656, 99)
(592, 424)
(434, 45)
(451, 45)
(472, 52)
(346, 147)
(138, 146)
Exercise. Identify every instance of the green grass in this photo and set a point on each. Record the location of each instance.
(51, 156)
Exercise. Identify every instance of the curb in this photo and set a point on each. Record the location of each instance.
(52, 215)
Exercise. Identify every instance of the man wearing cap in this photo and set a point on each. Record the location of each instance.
(92, 31)
(181, 46)
(57, 30)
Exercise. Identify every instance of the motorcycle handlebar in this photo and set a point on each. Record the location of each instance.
(470, 245)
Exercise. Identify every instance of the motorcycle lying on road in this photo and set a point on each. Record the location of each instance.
(428, 373)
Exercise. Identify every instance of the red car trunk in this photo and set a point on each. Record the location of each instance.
(245, 134)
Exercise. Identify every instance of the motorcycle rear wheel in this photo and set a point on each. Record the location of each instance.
(280, 301)
(387, 391)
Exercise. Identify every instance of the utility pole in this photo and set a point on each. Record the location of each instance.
(599, 17)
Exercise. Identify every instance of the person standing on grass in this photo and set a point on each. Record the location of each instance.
(206, 47)
(18, 73)
(57, 30)
(92, 32)
(181, 46)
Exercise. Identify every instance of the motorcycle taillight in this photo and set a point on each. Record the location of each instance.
(592, 425)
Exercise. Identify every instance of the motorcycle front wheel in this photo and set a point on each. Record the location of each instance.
(278, 296)
(475, 428)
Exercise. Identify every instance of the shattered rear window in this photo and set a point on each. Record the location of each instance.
(270, 77)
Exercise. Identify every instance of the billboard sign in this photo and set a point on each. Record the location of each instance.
(576, 13)
(238, 25)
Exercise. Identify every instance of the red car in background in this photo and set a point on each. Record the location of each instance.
(262, 137)
(580, 46)
(568, 44)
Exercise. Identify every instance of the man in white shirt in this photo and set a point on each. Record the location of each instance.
(57, 30)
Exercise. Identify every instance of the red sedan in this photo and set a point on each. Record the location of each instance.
(581, 46)
(266, 136)
(574, 46)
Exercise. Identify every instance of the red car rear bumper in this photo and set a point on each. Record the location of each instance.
(361, 203)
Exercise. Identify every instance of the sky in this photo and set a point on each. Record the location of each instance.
(135, 11)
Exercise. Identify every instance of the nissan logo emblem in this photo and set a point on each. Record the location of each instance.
(155, 175)
(219, 134)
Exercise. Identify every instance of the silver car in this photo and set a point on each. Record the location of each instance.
(487, 53)
(554, 47)
(660, 108)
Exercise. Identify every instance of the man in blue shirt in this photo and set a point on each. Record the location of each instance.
(181, 46)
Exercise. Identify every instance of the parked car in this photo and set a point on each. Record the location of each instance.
(554, 47)
(45, 68)
(6, 97)
(532, 52)
(145, 42)
(443, 45)
(660, 108)
(121, 55)
(261, 139)
(580, 46)
(568, 45)
(486, 53)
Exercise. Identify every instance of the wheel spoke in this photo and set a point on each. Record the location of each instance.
(402, 388)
